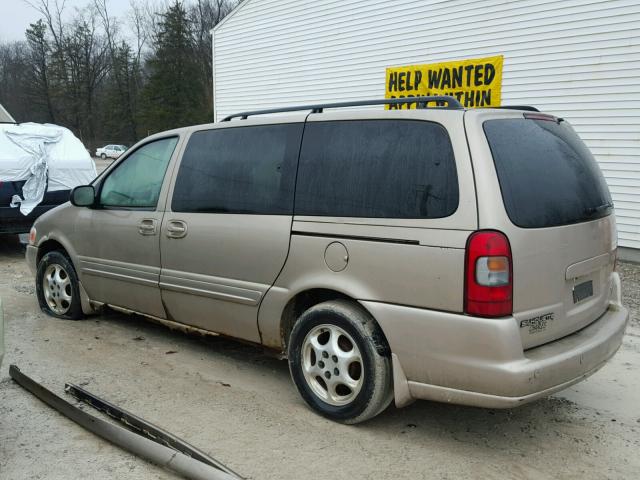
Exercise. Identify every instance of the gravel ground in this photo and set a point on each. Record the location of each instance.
(630, 273)
(239, 405)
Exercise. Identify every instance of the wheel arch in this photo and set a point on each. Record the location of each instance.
(306, 299)
(51, 245)
(55, 241)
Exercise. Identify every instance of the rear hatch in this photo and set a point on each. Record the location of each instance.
(559, 220)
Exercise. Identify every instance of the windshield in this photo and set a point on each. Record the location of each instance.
(548, 177)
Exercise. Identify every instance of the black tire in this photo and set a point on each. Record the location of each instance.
(67, 309)
(103, 156)
(376, 390)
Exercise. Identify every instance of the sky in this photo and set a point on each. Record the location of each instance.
(16, 15)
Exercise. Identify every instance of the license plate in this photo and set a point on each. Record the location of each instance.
(582, 291)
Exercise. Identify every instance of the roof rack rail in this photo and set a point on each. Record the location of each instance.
(440, 100)
(529, 108)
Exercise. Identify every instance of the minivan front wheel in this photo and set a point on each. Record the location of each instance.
(336, 362)
(57, 287)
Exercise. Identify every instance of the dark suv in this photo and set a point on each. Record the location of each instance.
(11, 220)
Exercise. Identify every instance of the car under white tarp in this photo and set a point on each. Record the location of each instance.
(46, 157)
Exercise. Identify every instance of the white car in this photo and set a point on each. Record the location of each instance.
(111, 151)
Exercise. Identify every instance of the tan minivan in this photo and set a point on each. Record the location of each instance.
(464, 256)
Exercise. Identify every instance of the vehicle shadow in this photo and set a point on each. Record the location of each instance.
(510, 429)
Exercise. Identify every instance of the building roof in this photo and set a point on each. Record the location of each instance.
(5, 117)
(231, 14)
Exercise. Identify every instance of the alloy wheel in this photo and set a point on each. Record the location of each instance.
(332, 364)
(57, 289)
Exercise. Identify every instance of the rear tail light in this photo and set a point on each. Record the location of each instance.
(488, 275)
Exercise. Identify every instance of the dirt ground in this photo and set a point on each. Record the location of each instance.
(240, 406)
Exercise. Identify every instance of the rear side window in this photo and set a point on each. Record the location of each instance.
(376, 169)
(239, 170)
(547, 175)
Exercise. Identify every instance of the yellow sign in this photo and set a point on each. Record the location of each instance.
(475, 82)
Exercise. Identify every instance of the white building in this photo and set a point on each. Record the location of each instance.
(578, 59)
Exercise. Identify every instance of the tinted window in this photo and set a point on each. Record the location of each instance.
(239, 170)
(377, 168)
(547, 175)
(136, 182)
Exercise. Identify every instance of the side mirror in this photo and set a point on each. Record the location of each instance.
(83, 196)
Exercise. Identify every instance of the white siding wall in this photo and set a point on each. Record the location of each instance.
(579, 59)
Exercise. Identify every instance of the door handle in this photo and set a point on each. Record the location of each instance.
(147, 227)
(176, 229)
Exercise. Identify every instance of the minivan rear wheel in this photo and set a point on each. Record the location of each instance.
(339, 362)
(57, 287)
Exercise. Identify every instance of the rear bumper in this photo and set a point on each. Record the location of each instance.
(10, 223)
(480, 362)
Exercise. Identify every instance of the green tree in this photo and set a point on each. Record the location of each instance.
(173, 94)
(38, 80)
(117, 98)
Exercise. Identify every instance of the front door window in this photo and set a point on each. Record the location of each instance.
(136, 183)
